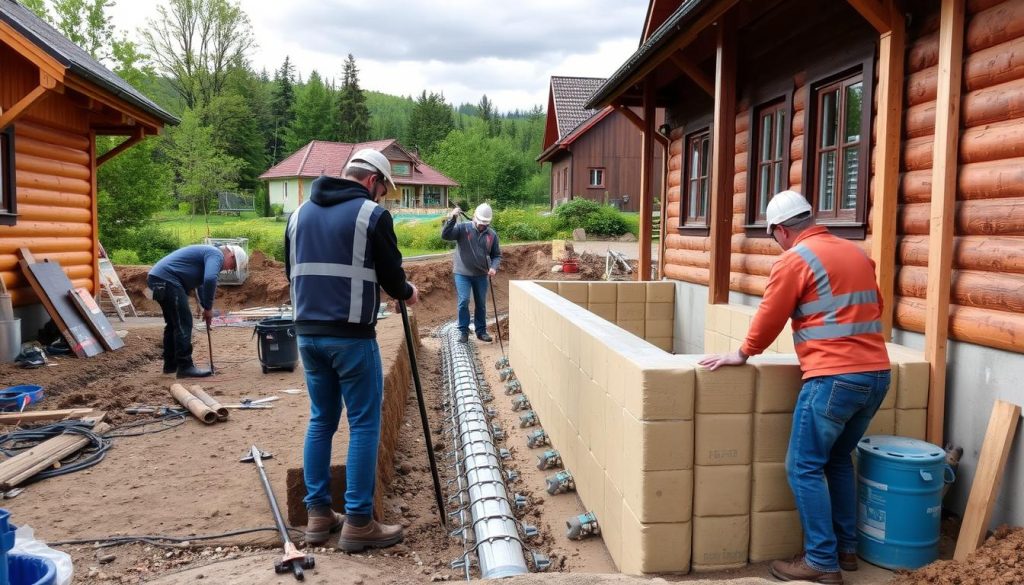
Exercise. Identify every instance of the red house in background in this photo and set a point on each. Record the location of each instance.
(594, 154)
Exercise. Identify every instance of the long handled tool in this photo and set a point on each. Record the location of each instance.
(294, 560)
(209, 337)
(503, 362)
(423, 414)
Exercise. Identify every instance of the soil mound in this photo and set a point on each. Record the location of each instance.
(1000, 561)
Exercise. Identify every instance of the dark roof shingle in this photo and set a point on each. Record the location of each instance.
(570, 94)
(75, 58)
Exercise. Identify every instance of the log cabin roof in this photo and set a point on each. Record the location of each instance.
(321, 157)
(76, 59)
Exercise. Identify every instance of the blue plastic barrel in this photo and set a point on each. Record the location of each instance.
(6, 544)
(899, 496)
(31, 570)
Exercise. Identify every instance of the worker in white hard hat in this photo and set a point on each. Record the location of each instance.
(340, 251)
(826, 286)
(172, 281)
(477, 257)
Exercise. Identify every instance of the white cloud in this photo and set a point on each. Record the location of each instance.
(463, 48)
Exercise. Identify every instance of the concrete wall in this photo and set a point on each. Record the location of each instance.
(276, 191)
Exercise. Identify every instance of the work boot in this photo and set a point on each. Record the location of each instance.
(464, 336)
(798, 570)
(374, 535)
(193, 372)
(848, 561)
(483, 336)
(170, 368)
(322, 524)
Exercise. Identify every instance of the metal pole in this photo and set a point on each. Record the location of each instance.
(497, 321)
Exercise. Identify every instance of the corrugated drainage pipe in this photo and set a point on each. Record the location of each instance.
(482, 490)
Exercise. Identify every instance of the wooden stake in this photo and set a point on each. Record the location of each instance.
(1002, 426)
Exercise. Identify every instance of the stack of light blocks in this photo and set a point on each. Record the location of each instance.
(665, 453)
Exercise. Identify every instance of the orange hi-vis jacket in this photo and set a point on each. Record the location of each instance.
(827, 286)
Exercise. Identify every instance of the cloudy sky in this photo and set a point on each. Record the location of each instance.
(465, 48)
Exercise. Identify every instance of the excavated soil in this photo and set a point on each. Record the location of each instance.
(999, 561)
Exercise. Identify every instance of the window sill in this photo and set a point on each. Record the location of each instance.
(596, 187)
(8, 218)
(849, 231)
(701, 231)
(756, 230)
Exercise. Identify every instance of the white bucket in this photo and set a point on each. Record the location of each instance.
(10, 340)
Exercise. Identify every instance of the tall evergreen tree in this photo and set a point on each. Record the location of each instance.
(281, 109)
(312, 114)
(489, 115)
(430, 122)
(353, 116)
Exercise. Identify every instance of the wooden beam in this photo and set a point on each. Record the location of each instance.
(32, 416)
(877, 13)
(646, 175)
(49, 82)
(694, 73)
(11, 114)
(115, 103)
(885, 189)
(943, 207)
(639, 123)
(32, 52)
(131, 141)
(723, 156)
(995, 450)
(664, 214)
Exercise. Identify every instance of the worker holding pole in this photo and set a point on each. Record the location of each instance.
(171, 281)
(477, 256)
(340, 250)
(826, 285)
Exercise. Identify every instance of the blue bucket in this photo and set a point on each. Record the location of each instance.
(6, 544)
(899, 497)
(30, 570)
(13, 398)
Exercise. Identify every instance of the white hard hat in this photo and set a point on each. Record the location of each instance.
(241, 259)
(372, 160)
(483, 214)
(785, 205)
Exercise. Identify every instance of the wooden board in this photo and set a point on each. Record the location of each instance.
(94, 316)
(1002, 426)
(52, 286)
(32, 416)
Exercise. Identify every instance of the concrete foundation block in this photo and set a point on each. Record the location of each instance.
(660, 496)
(659, 329)
(589, 478)
(594, 411)
(724, 391)
(770, 491)
(632, 292)
(778, 385)
(654, 547)
(613, 463)
(574, 291)
(664, 394)
(630, 312)
(721, 490)
(602, 292)
(912, 423)
(912, 386)
(884, 423)
(551, 285)
(605, 311)
(659, 311)
(666, 344)
(661, 292)
(611, 523)
(657, 445)
(720, 542)
(723, 439)
(785, 341)
(735, 345)
(771, 436)
(775, 535)
(634, 327)
(739, 324)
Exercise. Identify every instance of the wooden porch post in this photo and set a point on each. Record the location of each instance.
(646, 173)
(943, 209)
(723, 161)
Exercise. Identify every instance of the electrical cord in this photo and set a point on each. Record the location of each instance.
(95, 450)
(168, 421)
(162, 540)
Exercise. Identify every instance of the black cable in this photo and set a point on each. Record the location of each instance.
(161, 540)
(95, 450)
(170, 420)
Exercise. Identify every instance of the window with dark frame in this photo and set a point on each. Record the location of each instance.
(770, 168)
(694, 199)
(596, 177)
(6, 172)
(839, 151)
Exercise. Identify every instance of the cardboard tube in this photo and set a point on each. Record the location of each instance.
(209, 401)
(193, 404)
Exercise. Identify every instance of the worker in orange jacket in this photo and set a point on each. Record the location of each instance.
(826, 285)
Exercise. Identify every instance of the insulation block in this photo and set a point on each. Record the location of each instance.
(721, 490)
(778, 385)
(660, 496)
(724, 391)
(663, 394)
(771, 491)
(573, 291)
(785, 341)
(666, 344)
(912, 385)
(659, 311)
(912, 423)
(739, 323)
(632, 292)
(654, 547)
(630, 312)
(611, 522)
(884, 423)
(735, 345)
(771, 436)
(661, 292)
(659, 329)
(589, 478)
(548, 284)
(602, 292)
(775, 535)
(613, 463)
(723, 439)
(559, 249)
(656, 445)
(605, 311)
(634, 327)
(720, 542)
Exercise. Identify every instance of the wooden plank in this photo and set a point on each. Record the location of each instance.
(1002, 426)
(892, 47)
(876, 12)
(128, 143)
(723, 157)
(95, 318)
(8, 116)
(943, 209)
(52, 286)
(17, 418)
(694, 73)
(646, 175)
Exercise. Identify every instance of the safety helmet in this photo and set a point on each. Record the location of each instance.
(784, 206)
(483, 214)
(241, 259)
(372, 160)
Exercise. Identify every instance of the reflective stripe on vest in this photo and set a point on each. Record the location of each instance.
(828, 305)
(359, 243)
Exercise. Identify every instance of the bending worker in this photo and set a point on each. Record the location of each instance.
(340, 250)
(477, 256)
(827, 286)
(172, 280)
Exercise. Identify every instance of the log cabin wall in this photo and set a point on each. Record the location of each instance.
(54, 179)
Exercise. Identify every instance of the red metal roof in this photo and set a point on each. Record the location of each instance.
(320, 157)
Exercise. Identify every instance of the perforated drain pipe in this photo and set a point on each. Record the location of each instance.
(485, 512)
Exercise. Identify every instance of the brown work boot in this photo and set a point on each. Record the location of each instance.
(848, 561)
(374, 535)
(321, 525)
(798, 570)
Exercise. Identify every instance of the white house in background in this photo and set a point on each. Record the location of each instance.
(420, 188)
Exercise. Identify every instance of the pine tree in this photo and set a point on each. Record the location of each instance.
(490, 117)
(353, 117)
(281, 109)
(430, 122)
(312, 115)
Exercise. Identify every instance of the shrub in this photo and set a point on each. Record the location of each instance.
(124, 257)
(574, 214)
(276, 209)
(268, 241)
(184, 208)
(422, 235)
(605, 222)
(524, 225)
(149, 242)
(521, 232)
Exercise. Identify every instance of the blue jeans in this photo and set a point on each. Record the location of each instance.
(478, 284)
(831, 415)
(342, 373)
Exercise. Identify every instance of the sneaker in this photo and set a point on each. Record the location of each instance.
(374, 535)
(464, 336)
(320, 526)
(848, 561)
(483, 336)
(31, 357)
(798, 570)
(193, 372)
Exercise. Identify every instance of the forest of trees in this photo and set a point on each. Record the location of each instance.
(194, 59)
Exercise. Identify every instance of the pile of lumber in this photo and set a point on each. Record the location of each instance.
(28, 463)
